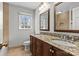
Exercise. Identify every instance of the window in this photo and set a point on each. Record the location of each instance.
(25, 21)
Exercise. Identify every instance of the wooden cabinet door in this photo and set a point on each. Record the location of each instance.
(31, 43)
(59, 52)
(34, 46)
(46, 49)
(39, 47)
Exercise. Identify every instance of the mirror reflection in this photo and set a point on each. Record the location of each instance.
(44, 21)
(67, 16)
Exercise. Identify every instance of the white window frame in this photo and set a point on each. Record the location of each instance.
(20, 21)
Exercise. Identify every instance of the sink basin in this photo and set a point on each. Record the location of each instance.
(63, 43)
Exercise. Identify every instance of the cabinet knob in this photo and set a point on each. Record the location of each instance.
(52, 51)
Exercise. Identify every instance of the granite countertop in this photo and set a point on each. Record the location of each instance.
(47, 38)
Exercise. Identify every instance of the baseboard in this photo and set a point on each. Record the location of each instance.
(15, 46)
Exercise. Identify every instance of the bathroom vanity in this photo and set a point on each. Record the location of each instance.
(42, 45)
(66, 15)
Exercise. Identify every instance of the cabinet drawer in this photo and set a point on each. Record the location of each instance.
(59, 52)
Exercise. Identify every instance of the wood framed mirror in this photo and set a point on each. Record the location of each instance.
(66, 17)
(45, 21)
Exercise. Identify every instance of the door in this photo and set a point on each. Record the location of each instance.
(31, 43)
(39, 47)
(34, 46)
(47, 49)
(5, 23)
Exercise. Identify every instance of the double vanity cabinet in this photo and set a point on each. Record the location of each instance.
(40, 48)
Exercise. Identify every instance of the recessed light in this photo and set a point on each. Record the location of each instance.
(59, 12)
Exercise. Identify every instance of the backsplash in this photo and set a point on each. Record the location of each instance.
(62, 36)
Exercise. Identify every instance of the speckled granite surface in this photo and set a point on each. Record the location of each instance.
(47, 38)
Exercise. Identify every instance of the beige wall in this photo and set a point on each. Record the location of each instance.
(62, 21)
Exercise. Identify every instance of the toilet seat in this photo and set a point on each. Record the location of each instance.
(26, 44)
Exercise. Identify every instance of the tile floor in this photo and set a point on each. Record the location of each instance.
(3, 51)
(16, 51)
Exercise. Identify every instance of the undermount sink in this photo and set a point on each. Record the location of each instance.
(63, 43)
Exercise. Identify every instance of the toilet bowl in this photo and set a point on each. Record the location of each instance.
(27, 45)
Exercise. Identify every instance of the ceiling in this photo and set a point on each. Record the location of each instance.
(66, 6)
(30, 5)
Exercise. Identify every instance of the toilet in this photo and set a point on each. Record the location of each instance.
(27, 45)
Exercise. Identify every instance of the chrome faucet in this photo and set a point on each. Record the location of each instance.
(64, 37)
(71, 39)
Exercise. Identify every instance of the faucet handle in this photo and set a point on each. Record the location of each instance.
(64, 37)
(71, 38)
(76, 38)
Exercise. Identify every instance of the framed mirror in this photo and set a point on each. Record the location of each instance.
(44, 21)
(66, 17)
